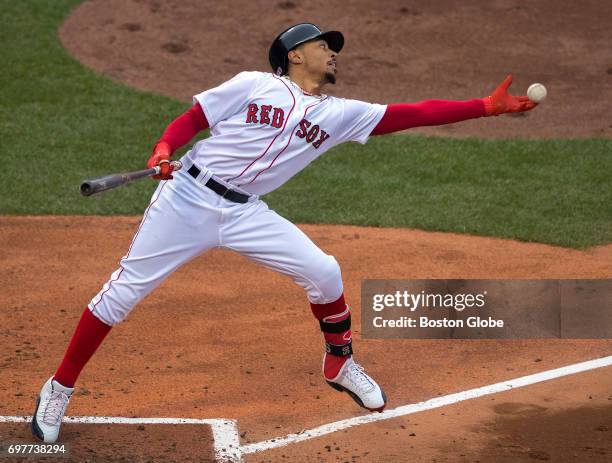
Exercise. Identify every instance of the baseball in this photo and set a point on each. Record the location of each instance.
(536, 93)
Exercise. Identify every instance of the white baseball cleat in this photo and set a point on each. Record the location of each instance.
(363, 389)
(50, 408)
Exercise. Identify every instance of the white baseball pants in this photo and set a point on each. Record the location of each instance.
(184, 219)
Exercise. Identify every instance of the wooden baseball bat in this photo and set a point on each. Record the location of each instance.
(108, 182)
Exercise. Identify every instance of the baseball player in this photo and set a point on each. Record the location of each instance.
(265, 128)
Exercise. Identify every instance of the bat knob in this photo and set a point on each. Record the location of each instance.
(176, 165)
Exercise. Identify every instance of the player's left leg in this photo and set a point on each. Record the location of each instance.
(179, 224)
(269, 239)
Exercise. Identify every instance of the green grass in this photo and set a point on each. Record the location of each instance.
(549, 191)
(62, 123)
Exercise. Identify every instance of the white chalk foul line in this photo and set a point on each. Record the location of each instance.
(427, 405)
(226, 441)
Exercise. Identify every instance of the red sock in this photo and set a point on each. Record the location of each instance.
(333, 312)
(89, 334)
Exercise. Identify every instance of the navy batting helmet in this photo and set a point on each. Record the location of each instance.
(297, 35)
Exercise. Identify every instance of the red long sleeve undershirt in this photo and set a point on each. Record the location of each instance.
(397, 117)
(185, 127)
(430, 112)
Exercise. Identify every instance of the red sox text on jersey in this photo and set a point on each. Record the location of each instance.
(275, 117)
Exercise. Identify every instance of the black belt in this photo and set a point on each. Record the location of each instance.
(215, 186)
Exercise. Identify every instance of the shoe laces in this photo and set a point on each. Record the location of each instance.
(359, 378)
(56, 405)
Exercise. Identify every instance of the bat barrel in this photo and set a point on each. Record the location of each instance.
(108, 182)
(86, 188)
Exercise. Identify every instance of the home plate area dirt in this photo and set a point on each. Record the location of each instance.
(225, 338)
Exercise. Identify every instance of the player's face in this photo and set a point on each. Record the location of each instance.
(319, 60)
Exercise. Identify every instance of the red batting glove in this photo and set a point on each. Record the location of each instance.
(501, 101)
(161, 157)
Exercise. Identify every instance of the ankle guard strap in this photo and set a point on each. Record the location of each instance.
(336, 327)
(339, 351)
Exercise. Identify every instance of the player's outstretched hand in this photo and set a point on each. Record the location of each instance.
(161, 157)
(501, 101)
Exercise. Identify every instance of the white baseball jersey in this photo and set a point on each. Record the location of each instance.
(265, 129)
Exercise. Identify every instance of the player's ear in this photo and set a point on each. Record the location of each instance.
(295, 56)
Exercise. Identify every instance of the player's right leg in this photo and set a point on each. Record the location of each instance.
(179, 224)
(269, 239)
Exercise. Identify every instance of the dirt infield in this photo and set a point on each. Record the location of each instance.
(211, 343)
(395, 51)
(124, 443)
